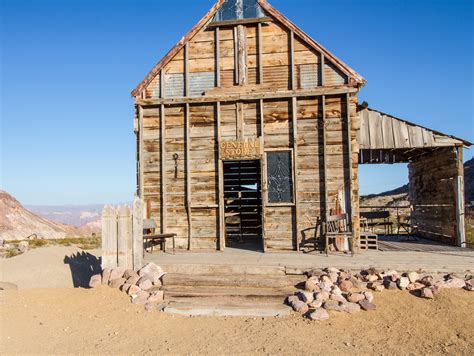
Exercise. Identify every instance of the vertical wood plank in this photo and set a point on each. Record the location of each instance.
(141, 180)
(294, 115)
(124, 238)
(260, 53)
(220, 168)
(321, 70)
(188, 178)
(240, 121)
(326, 213)
(292, 60)
(218, 57)
(264, 183)
(163, 170)
(236, 57)
(137, 233)
(162, 84)
(242, 54)
(459, 194)
(109, 237)
(186, 69)
(349, 152)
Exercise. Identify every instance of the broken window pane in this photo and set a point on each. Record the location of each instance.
(239, 9)
(279, 175)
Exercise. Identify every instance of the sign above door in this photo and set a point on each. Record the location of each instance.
(241, 149)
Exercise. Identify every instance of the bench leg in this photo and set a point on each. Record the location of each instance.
(174, 246)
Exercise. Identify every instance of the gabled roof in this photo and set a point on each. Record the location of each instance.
(276, 15)
(382, 131)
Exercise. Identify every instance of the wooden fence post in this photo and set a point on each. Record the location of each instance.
(124, 240)
(137, 233)
(109, 237)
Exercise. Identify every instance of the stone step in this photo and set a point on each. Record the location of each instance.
(262, 310)
(219, 294)
(231, 280)
(215, 269)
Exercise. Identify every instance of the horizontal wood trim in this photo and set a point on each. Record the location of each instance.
(250, 96)
(238, 22)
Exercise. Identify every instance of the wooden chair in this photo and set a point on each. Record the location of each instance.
(149, 236)
(338, 226)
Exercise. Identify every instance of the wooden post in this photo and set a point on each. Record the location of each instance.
(321, 69)
(459, 194)
(260, 53)
(220, 168)
(292, 60)
(109, 237)
(294, 115)
(163, 169)
(188, 178)
(326, 213)
(242, 54)
(140, 152)
(263, 174)
(349, 152)
(218, 57)
(162, 84)
(240, 129)
(236, 56)
(137, 233)
(124, 238)
(186, 69)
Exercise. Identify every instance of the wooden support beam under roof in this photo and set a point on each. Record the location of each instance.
(232, 23)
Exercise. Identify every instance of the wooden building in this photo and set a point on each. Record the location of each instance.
(248, 134)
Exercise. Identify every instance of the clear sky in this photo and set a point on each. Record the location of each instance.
(68, 67)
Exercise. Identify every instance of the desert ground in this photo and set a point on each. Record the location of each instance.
(102, 321)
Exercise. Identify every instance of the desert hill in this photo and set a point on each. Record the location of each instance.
(18, 223)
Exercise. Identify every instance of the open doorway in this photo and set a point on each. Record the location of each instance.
(243, 204)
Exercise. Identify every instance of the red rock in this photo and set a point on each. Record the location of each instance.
(300, 307)
(95, 281)
(413, 277)
(366, 305)
(369, 296)
(355, 297)
(403, 283)
(152, 270)
(149, 307)
(156, 297)
(106, 276)
(469, 285)
(319, 314)
(415, 286)
(125, 287)
(291, 299)
(140, 298)
(117, 273)
(454, 282)
(306, 297)
(117, 283)
(338, 298)
(311, 285)
(133, 280)
(130, 273)
(346, 286)
(133, 290)
(333, 305)
(145, 283)
(427, 293)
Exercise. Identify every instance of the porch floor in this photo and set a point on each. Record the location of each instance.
(437, 259)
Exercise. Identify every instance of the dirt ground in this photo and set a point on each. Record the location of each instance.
(103, 321)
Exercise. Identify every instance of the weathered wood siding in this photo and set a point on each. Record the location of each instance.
(433, 195)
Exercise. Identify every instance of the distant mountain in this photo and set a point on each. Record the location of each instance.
(77, 215)
(18, 223)
(399, 196)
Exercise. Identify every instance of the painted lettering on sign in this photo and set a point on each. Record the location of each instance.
(241, 149)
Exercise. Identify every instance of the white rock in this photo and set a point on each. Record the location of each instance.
(403, 282)
(319, 315)
(369, 296)
(413, 277)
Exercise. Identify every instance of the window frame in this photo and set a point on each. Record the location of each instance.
(292, 155)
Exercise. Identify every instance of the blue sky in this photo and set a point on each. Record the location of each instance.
(68, 67)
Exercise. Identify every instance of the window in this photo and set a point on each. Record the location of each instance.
(279, 176)
(239, 9)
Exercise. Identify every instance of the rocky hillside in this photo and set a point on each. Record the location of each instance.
(18, 223)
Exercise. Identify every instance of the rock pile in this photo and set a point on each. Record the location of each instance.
(333, 289)
(143, 286)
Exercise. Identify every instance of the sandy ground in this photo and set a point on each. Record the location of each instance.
(103, 321)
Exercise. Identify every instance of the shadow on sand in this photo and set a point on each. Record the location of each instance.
(83, 266)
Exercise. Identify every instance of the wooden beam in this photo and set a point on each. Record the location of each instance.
(278, 94)
(459, 194)
(292, 60)
(240, 124)
(140, 153)
(220, 167)
(188, 177)
(349, 151)
(264, 183)
(162, 84)
(321, 69)
(242, 54)
(325, 160)
(163, 170)
(186, 69)
(260, 53)
(232, 23)
(294, 115)
(218, 57)
(236, 56)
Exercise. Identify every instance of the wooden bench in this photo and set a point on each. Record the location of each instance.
(373, 219)
(149, 237)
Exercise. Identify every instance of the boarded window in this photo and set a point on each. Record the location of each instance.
(174, 85)
(309, 76)
(200, 82)
(279, 176)
(239, 9)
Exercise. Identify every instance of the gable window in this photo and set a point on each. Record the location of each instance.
(280, 177)
(239, 9)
